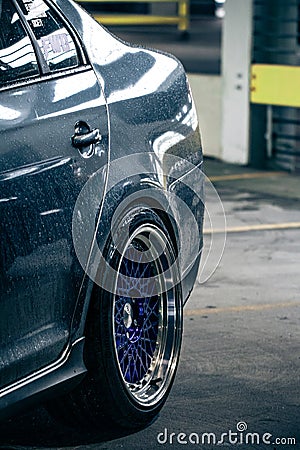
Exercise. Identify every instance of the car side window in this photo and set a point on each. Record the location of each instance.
(17, 57)
(56, 43)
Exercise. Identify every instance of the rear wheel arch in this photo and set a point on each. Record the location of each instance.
(117, 395)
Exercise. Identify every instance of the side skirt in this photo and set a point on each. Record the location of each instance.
(189, 279)
(59, 377)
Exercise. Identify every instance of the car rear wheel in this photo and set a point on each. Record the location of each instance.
(133, 330)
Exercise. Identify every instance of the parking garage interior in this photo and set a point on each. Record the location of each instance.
(240, 367)
(223, 54)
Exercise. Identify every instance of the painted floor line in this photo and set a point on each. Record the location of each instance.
(257, 227)
(245, 176)
(242, 308)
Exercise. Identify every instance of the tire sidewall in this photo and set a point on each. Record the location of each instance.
(121, 405)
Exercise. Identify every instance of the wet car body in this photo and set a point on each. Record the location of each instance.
(114, 128)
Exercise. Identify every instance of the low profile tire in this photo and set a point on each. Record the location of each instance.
(134, 329)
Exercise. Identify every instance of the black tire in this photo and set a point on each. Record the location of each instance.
(134, 329)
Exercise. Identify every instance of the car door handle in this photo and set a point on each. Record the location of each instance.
(87, 139)
(84, 139)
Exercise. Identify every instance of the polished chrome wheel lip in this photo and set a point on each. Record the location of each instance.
(149, 390)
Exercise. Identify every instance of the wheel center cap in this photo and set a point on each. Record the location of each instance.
(127, 315)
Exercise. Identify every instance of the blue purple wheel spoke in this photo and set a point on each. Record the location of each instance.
(147, 320)
(136, 317)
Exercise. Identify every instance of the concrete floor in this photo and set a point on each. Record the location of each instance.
(240, 362)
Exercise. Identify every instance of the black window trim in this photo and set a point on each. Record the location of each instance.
(83, 59)
(44, 68)
(46, 74)
(42, 64)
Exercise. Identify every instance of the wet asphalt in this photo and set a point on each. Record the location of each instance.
(238, 384)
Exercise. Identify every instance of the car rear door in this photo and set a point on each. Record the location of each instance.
(48, 93)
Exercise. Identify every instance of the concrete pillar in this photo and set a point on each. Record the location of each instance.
(236, 58)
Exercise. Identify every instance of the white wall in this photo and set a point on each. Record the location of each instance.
(207, 96)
